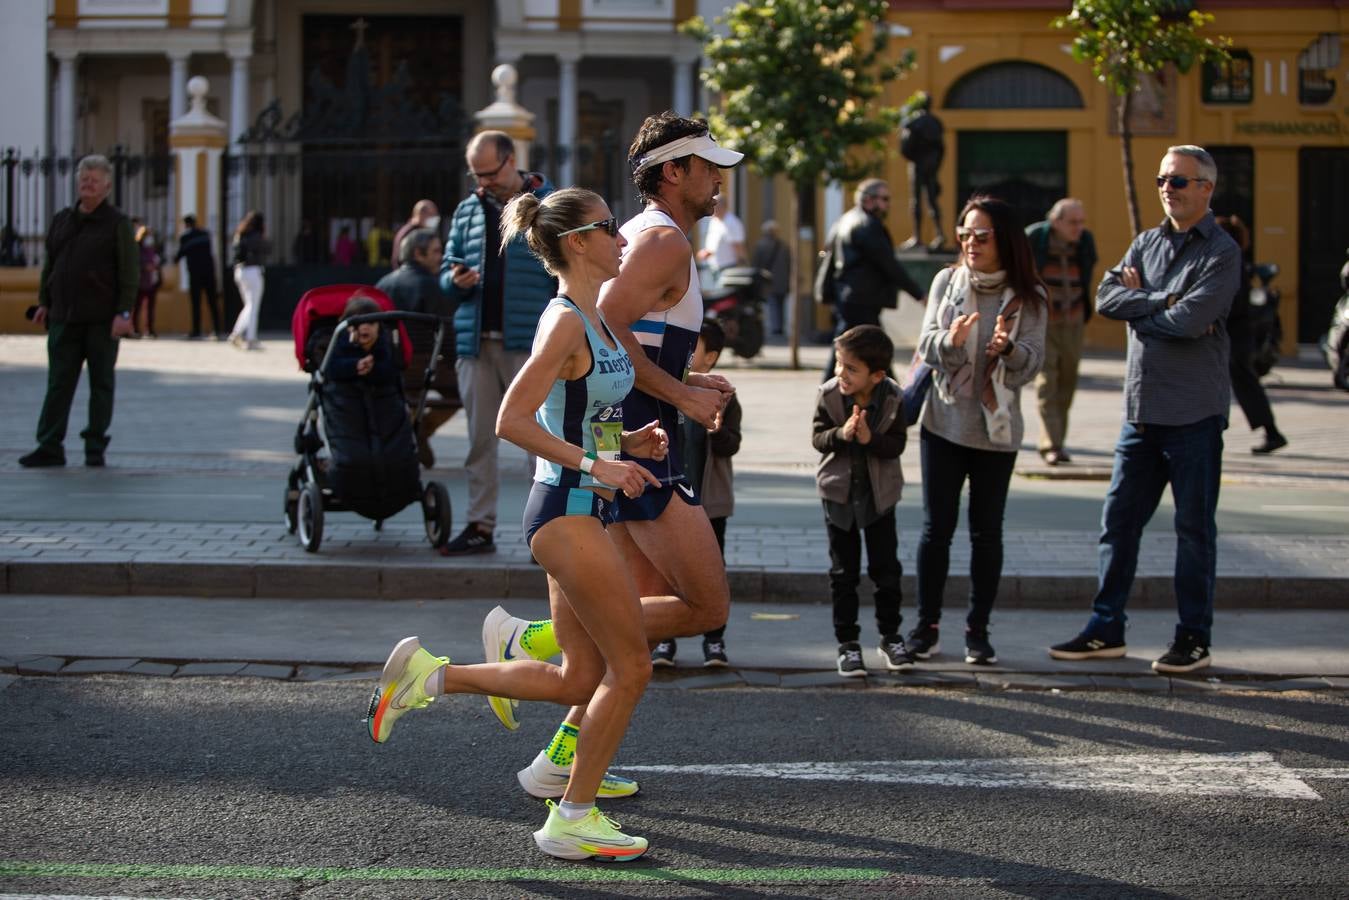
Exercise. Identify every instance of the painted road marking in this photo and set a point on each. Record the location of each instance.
(79, 897)
(1194, 774)
(564, 874)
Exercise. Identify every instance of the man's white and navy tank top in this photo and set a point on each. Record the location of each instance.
(587, 411)
(669, 339)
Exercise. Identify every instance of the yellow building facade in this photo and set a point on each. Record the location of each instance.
(1025, 120)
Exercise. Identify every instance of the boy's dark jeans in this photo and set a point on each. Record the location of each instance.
(883, 567)
(719, 529)
(946, 466)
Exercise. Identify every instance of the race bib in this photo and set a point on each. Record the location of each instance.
(608, 438)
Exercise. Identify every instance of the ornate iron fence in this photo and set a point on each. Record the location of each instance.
(33, 187)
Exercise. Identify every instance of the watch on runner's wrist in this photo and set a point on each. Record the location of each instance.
(588, 461)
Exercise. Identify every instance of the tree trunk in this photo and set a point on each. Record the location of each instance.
(1127, 152)
(803, 266)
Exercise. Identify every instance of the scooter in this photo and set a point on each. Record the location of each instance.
(1335, 342)
(1266, 329)
(737, 306)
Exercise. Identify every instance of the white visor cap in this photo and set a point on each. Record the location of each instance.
(702, 145)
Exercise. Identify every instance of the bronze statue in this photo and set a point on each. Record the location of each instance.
(922, 144)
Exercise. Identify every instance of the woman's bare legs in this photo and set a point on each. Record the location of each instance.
(603, 602)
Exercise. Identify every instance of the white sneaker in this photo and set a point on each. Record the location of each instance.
(594, 836)
(501, 643)
(546, 780)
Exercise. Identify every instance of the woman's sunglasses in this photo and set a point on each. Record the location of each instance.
(980, 235)
(609, 225)
(1179, 182)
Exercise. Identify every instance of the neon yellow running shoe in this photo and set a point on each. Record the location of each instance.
(596, 835)
(543, 779)
(402, 686)
(501, 643)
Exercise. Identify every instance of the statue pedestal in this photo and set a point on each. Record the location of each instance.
(923, 265)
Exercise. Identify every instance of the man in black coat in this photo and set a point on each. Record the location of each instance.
(194, 245)
(867, 277)
(86, 291)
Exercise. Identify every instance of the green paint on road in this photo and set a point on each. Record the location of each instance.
(610, 873)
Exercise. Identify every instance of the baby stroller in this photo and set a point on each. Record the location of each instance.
(370, 466)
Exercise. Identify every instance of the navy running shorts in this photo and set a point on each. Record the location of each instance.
(547, 502)
(651, 503)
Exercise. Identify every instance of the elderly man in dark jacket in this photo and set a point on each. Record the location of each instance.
(1065, 255)
(414, 287)
(867, 276)
(85, 295)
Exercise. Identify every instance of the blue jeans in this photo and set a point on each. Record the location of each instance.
(1147, 457)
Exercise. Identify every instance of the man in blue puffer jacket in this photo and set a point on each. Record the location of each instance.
(500, 297)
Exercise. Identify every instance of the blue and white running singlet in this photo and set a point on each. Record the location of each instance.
(587, 411)
(669, 339)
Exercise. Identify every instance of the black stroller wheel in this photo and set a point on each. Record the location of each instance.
(310, 515)
(436, 511)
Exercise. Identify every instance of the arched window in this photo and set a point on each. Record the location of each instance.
(1013, 85)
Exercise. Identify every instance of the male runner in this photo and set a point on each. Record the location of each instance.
(655, 308)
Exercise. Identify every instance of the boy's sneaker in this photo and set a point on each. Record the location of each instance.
(923, 641)
(501, 643)
(1086, 646)
(402, 687)
(546, 780)
(473, 539)
(593, 836)
(664, 654)
(714, 654)
(1184, 655)
(850, 660)
(978, 651)
(894, 655)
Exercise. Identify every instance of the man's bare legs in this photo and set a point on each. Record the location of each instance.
(682, 595)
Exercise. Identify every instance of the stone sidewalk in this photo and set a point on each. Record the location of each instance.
(204, 411)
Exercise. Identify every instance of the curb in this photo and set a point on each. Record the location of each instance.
(360, 580)
(697, 679)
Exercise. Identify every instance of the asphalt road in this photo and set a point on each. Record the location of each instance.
(244, 788)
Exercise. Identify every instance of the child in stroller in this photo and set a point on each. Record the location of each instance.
(362, 351)
(357, 407)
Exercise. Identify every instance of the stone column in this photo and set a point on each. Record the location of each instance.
(178, 83)
(566, 118)
(682, 91)
(240, 53)
(504, 114)
(63, 123)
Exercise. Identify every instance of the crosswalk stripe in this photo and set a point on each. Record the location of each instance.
(1193, 774)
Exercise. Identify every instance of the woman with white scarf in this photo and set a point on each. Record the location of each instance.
(984, 336)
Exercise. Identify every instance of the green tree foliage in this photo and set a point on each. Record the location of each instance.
(1124, 39)
(801, 85)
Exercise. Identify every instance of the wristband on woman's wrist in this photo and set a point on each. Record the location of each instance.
(588, 461)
